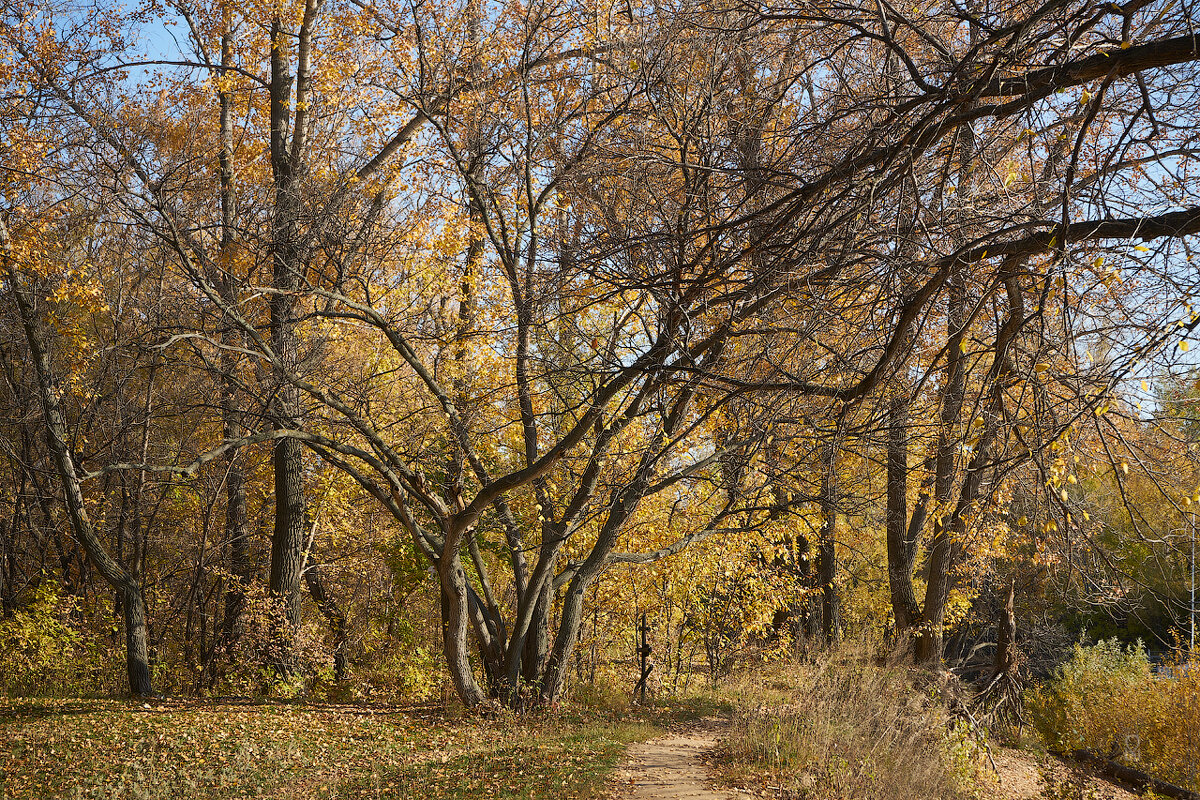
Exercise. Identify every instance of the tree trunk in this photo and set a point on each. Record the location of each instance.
(456, 628)
(555, 677)
(287, 538)
(136, 644)
(537, 638)
(901, 546)
(827, 556)
(333, 615)
(929, 643)
(137, 641)
(236, 524)
(1006, 635)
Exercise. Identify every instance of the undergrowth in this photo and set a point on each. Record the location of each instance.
(846, 727)
(1107, 700)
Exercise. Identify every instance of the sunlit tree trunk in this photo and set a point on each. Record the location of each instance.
(287, 538)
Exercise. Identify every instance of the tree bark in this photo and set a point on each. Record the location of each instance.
(901, 546)
(333, 615)
(827, 556)
(456, 627)
(1006, 634)
(929, 643)
(136, 639)
(237, 532)
(287, 538)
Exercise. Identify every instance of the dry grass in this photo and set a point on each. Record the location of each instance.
(845, 727)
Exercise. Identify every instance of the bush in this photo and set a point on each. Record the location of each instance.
(1082, 706)
(43, 651)
(1105, 699)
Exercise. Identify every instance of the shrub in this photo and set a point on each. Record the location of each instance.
(43, 651)
(1081, 706)
(1105, 699)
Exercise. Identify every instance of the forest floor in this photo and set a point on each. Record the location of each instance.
(112, 749)
(1021, 775)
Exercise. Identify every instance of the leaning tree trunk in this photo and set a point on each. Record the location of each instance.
(122, 580)
(333, 615)
(456, 629)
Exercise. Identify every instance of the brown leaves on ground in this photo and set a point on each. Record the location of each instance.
(115, 749)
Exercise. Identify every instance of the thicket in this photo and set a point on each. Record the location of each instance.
(1107, 699)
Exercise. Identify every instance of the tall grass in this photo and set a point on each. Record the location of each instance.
(845, 727)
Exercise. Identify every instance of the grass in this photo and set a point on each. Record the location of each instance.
(845, 727)
(115, 749)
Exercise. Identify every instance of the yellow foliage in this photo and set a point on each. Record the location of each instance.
(1106, 699)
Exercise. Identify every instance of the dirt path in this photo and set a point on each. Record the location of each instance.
(671, 767)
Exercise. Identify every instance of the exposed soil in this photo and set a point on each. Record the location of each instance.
(671, 767)
(1023, 776)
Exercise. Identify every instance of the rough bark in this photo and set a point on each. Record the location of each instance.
(537, 640)
(287, 537)
(457, 626)
(901, 546)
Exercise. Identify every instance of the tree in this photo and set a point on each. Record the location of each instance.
(590, 288)
(118, 575)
